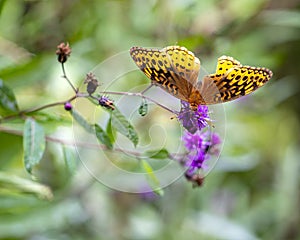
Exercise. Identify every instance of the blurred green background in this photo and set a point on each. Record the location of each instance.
(254, 191)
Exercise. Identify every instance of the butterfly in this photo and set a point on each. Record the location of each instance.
(175, 69)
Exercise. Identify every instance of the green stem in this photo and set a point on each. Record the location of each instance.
(68, 80)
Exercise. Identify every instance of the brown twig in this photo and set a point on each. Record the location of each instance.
(35, 109)
(142, 96)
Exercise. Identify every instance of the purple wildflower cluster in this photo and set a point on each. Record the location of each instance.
(199, 142)
(199, 145)
(193, 120)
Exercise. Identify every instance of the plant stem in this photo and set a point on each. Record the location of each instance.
(142, 96)
(35, 109)
(146, 89)
(65, 77)
(79, 144)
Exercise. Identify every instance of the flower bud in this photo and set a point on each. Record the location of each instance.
(68, 106)
(63, 52)
(106, 102)
(92, 83)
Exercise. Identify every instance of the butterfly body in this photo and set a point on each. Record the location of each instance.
(176, 70)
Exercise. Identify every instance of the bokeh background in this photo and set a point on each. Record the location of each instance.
(253, 192)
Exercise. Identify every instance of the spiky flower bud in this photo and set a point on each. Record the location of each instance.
(63, 52)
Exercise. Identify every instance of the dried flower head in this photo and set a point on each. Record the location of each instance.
(92, 83)
(90, 77)
(196, 179)
(63, 52)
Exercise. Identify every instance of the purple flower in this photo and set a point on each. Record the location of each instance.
(199, 142)
(199, 146)
(215, 139)
(193, 120)
(106, 102)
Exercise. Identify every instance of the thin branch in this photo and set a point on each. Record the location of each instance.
(142, 96)
(80, 144)
(147, 88)
(65, 77)
(35, 109)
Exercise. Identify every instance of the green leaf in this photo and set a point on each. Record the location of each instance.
(152, 179)
(33, 143)
(121, 124)
(103, 137)
(111, 132)
(14, 184)
(82, 122)
(157, 154)
(44, 117)
(7, 99)
(71, 160)
(2, 3)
